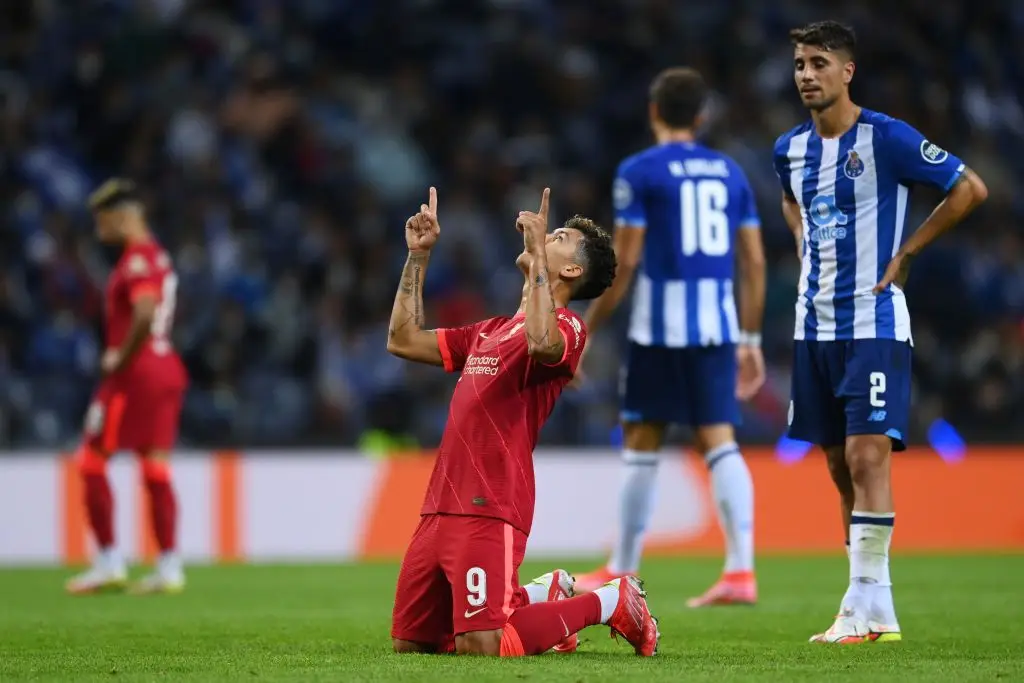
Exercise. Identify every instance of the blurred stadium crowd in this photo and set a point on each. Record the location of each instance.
(282, 144)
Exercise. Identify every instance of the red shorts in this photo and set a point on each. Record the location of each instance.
(136, 413)
(459, 574)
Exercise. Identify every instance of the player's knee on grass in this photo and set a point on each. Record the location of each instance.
(404, 647)
(479, 643)
(645, 437)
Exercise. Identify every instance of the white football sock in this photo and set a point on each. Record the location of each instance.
(733, 490)
(883, 609)
(169, 565)
(539, 589)
(640, 470)
(537, 592)
(110, 559)
(870, 537)
(609, 596)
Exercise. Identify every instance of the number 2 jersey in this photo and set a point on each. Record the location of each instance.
(484, 465)
(853, 192)
(144, 268)
(691, 200)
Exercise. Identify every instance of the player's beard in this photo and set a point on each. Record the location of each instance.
(822, 103)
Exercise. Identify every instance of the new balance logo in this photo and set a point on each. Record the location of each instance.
(877, 416)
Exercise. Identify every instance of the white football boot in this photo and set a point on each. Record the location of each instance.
(167, 578)
(108, 573)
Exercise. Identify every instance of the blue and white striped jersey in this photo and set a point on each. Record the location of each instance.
(690, 200)
(853, 193)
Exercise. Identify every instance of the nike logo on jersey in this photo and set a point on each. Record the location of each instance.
(470, 615)
(483, 335)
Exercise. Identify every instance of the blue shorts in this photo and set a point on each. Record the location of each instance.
(842, 388)
(694, 386)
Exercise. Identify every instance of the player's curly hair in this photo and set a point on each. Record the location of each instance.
(826, 35)
(597, 256)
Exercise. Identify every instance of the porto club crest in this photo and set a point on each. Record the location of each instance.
(854, 166)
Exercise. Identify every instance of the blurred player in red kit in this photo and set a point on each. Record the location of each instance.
(139, 399)
(458, 589)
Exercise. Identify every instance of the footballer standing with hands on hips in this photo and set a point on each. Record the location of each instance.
(846, 176)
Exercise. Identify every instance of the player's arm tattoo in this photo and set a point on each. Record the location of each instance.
(405, 331)
(544, 340)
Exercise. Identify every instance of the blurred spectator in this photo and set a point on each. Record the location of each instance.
(282, 144)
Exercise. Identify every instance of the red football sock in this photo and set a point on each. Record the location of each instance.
(99, 500)
(535, 629)
(163, 504)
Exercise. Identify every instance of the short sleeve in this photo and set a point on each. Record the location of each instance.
(142, 274)
(627, 197)
(780, 161)
(918, 160)
(574, 334)
(455, 343)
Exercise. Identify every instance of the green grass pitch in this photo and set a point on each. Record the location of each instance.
(963, 620)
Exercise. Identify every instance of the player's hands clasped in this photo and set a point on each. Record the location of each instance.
(534, 226)
(751, 373)
(422, 230)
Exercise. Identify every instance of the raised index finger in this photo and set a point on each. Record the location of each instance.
(543, 212)
(432, 202)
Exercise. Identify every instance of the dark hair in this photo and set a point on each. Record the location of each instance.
(826, 35)
(597, 256)
(113, 193)
(679, 94)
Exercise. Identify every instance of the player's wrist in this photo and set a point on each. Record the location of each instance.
(747, 338)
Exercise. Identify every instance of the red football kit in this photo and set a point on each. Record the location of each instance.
(460, 571)
(138, 407)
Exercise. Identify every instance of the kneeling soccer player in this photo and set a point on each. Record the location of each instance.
(458, 589)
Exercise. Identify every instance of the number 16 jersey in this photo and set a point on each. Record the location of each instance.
(691, 201)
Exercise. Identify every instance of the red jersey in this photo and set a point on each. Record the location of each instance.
(144, 268)
(484, 465)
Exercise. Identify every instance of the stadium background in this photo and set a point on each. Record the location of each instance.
(281, 146)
